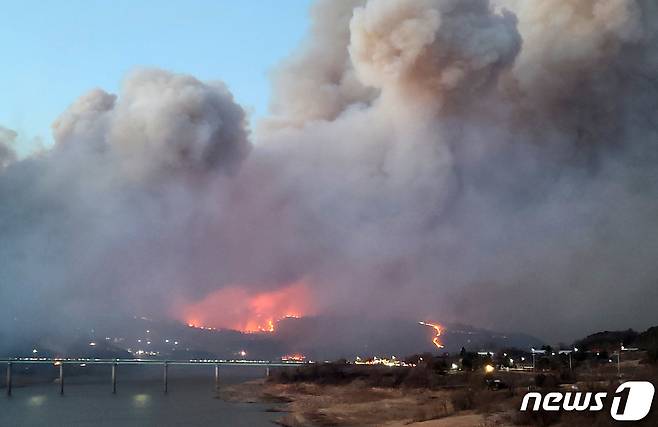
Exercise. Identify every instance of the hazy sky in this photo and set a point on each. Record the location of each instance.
(54, 51)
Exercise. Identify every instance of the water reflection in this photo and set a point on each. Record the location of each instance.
(141, 400)
(36, 400)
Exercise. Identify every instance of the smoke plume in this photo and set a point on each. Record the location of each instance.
(457, 160)
(7, 153)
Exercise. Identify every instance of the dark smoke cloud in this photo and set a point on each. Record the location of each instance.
(465, 161)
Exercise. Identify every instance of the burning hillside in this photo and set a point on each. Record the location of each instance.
(236, 308)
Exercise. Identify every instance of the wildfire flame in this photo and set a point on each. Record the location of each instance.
(295, 357)
(438, 328)
(235, 308)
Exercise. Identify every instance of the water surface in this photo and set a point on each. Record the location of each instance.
(190, 402)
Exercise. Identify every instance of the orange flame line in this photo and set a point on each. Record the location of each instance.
(439, 329)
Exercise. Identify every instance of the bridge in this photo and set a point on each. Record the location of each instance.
(114, 363)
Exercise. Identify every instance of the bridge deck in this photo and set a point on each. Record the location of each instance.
(114, 363)
(91, 361)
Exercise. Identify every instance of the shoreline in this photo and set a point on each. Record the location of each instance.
(355, 404)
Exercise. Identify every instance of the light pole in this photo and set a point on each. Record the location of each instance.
(533, 357)
(568, 352)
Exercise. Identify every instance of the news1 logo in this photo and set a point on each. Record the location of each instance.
(631, 401)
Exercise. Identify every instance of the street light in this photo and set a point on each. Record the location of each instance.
(533, 356)
(569, 353)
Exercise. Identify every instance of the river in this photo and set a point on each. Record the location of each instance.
(140, 402)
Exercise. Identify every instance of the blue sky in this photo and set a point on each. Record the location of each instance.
(53, 51)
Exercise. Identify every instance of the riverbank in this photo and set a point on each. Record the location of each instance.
(356, 404)
(462, 400)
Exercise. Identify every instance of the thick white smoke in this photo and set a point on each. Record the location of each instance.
(440, 49)
(119, 215)
(161, 123)
(7, 153)
(479, 180)
(319, 82)
(474, 161)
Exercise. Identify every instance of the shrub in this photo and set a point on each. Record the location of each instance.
(463, 400)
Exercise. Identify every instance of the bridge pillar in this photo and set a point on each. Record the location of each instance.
(267, 372)
(9, 379)
(114, 378)
(166, 368)
(61, 379)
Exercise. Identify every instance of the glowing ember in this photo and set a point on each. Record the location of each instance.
(195, 325)
(234, 307)
(295, 357)
(438, 328)
(390, 362)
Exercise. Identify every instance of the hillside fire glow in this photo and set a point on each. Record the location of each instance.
(438, 329)
(234, 308)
